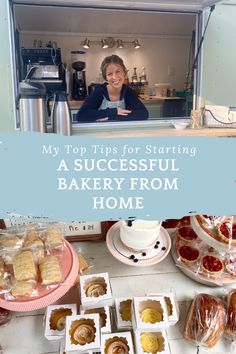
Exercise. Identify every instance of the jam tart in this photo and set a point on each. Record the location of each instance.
(188, 254)
(227, 232)
(187, 234)
(211, 264)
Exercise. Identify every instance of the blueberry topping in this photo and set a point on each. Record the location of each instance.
(158, 243)
(156, 246)
(132, 256)
(135, 260)
(163, 248)
(144, 254)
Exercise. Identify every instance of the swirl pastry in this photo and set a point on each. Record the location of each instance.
(149, 342)
(95, 287)
(82, 331)
(151, 315)
(125, 310)
(116, 345)
(58, 318)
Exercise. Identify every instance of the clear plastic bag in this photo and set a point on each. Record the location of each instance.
(230, 328)
(205, 321)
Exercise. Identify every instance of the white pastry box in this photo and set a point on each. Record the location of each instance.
(75, 328)
(105, 317)
(149, 313)
(123, 308)
(62, 350)
(151, 342)
(55, 320)
(117, 343)
(171, 306)
(95, 291)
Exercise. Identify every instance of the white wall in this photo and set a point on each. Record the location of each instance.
(155, 54)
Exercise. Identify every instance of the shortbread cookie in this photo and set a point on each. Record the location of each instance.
(22, 288)
(24, 267)
(50, 270)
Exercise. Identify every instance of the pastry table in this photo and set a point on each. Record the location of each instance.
(24, 334)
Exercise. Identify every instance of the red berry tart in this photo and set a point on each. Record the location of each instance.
(227, 231)
(185, 221)
(212, 265)
(186, 233)
(188, 254)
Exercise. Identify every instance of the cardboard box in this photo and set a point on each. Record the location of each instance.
(124, 338)
(149, 313)
(62, 350)
(162, 342)
(91, 284)
(107, 318)
(171, 306)
(55, 320)
(122, 311)
(72, 323)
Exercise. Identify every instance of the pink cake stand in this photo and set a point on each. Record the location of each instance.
(69, 266)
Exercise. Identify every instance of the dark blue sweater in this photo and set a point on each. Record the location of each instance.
(89, 111)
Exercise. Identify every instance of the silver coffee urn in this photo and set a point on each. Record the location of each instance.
(32, 106)
(61, 114)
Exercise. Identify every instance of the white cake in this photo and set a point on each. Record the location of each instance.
(141, 235)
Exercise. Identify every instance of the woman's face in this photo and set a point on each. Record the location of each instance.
(115, 75)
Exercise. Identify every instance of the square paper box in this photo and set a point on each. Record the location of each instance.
(74, 324)
(91, 286)
(62, 350)
(105, 317)
(55, 320)
(123, 311)
(158, 341)
(149, 313)
(171, 306)
(121, 339)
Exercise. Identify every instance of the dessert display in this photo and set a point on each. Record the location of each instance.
(211, 265)
(230, 327)
(58, 318)
(116, 345)
(205, 321)
(30, 270)
(82, 331)
(217, 231)
(133, 244)
(139, 234)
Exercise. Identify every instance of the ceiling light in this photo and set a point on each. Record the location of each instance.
(104, 44)
(86, 43)
(120, 43)
(136, 44)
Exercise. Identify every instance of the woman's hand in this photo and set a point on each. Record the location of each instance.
(123, 112)
(102, 119)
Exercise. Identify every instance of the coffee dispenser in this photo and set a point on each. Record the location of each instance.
(79, 90)
(32, 106)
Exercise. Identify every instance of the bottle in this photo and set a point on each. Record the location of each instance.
(61, 114)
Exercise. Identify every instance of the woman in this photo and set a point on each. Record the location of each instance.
(112, 100)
